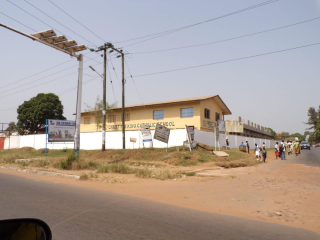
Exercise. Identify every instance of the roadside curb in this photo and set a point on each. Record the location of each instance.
(51, 174)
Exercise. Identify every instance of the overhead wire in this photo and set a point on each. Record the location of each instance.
(37, 18)
(59, 22)
(76, 21)
(17, 21)
(114, 96)
(230, 60)
(70, 89)
(196, 24)
(44, 83)
(39, 78)
(229, 39)
(135, 85)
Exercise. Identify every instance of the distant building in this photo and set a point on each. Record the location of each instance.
(247, 128)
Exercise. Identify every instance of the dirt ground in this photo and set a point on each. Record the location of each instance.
(287, 194)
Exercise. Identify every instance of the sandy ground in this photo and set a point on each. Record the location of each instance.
(288, 194)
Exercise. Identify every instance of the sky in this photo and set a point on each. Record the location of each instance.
(273, 90)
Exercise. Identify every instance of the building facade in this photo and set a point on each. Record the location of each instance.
(202, 113)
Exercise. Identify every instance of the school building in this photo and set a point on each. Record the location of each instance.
(201, 112)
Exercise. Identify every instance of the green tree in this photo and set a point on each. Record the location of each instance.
(12, 127)
(97, 111)
(298, 135)
(284, 135)
(313, 117)
(32, 114)
(273, 133)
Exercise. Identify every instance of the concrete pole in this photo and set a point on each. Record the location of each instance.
(123, 109)
(104, 111)
(78, 113)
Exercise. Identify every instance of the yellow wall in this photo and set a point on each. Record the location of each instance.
(209, 124)
(140, 116)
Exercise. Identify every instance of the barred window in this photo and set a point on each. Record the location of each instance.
(87, 120)
(126, 116)
(112, 118)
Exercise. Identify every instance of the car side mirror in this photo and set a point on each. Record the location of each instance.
(25, 228)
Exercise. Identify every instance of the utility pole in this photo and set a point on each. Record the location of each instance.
(123, 109)
(61, 43)
(104, 48)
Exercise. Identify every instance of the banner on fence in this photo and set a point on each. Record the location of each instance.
(61, 130)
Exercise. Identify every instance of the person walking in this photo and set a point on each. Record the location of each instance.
(257, 150)
(264, 152)
(276, 147)
(297, 147)
(227, 141)
(248, 146)
(281, 150)
(284, 146)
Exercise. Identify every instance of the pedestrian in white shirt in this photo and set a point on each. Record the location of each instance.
(257, 149)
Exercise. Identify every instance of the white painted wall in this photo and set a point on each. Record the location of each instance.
(93, 140)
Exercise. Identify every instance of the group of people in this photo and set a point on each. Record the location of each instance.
(290, 147)
(281, 149)
(259, 151)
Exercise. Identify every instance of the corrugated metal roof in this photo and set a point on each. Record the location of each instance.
(225, 109)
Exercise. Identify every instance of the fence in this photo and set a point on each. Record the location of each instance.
(93, 140)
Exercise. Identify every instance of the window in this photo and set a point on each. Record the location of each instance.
(206, 113)
(186, 112)
(126, 117)
(217, 116)
(87, 120)
(99, 119)
(159, 114)
(111, 118)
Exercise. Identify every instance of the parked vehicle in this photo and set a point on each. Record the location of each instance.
(305, 145)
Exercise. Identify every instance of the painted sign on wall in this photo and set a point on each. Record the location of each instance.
(234, 127)
(61, 130)
(162, 133)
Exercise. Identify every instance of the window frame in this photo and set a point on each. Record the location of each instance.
(112, 118)
(181, 109)
(207, 112)
(87, 120)
(158, 111)
(217, 114)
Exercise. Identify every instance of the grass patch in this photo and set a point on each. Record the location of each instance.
(185, 163)
(190, 174)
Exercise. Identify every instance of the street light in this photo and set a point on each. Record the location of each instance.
(50, 38)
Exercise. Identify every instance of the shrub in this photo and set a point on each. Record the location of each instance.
(84, 176)
(65, 164)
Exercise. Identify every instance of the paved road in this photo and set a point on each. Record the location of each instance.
(81, 213)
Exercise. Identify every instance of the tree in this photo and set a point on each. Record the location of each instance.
(12, 127)
(313, 117)
(273, 133)
(32, 114)
(284, 135)
(298, 135)
(97, 111)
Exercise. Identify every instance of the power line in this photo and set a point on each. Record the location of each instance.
(76, 20)
(195, 24)
(39, 78)
(135, 85)
(59, 22)
(114, 96)
(228, 39)
(70, 89)
(18, 22)
(44, 82)
(37, 18)
(231, 60)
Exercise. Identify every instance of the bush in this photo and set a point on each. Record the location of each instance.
(84, 176)
(116, 168)
(66, 164)
(187, 156)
